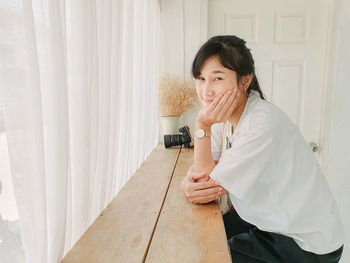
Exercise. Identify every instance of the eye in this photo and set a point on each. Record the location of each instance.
(218, 78)
(200, 78)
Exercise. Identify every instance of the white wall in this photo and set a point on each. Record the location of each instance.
(2, 125)
(337, 119)
(184, 30)
(184, 26)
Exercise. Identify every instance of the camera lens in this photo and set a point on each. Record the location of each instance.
(178, 139)
(172, 140)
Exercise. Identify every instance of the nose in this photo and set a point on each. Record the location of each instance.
(207, 89)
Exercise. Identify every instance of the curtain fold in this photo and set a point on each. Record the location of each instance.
(78, 84)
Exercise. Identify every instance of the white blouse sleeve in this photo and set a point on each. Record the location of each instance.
(249, 160)
(216, 137)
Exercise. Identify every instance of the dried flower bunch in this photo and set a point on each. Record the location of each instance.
(176, 96)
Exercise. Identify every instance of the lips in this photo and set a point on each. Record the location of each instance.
(208, 101)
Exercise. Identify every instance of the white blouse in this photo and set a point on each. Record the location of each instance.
(273, 178)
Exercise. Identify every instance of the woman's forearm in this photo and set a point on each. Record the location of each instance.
(203, 159)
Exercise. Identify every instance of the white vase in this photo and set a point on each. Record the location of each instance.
(170, 125)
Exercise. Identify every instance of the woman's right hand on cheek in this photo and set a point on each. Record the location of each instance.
(198, 189)
(220, 109)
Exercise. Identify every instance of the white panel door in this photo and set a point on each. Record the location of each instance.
(288, 40)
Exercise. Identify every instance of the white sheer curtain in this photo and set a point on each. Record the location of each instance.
(78, 83)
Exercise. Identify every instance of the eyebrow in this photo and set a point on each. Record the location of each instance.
(218, 71)
(215, 72)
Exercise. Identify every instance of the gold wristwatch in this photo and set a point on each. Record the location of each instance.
(200, 133)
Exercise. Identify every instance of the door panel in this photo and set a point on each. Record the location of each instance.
(288, 40)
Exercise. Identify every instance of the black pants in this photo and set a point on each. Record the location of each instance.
(250, 244)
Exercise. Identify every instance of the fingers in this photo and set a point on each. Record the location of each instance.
(202, 180)
(204, 196)
(205, 192)
(205, 179)
(214, 103)
(194, 190)
(230, 102)
(198, 175)
(231, 106)
(204, 185)
(201, 177)
(222, 102)
(204, 200)
(221, 108)
(199, 188)
(226, 105)
(189, 173)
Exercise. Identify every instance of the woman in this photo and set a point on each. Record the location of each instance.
(282, 207)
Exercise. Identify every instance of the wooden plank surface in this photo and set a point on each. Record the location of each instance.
(122, 232)
(187, 232)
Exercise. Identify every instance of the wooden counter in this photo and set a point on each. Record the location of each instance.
(150, 220)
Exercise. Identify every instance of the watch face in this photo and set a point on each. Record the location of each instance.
(200, 133)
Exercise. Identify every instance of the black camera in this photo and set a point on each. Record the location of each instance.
(179, 139)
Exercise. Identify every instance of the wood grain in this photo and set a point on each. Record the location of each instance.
(122, 232)
(187, 232)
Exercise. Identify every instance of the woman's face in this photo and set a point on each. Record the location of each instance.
(214, 80)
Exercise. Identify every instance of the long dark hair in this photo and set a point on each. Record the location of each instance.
(232, 54)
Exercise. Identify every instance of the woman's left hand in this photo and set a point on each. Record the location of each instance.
(220, 109)
(202, 177)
